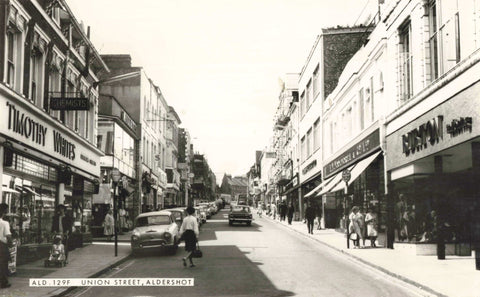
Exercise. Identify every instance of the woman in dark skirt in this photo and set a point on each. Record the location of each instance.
(189, 232)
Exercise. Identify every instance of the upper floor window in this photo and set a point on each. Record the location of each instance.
(308, 95)
(309, 143)
(405, 61)
(36, 78)
(316, 134)
(361, 109)
(302, 104)
(303, 149)
(13, 67)
(444, 37)
(315, 88)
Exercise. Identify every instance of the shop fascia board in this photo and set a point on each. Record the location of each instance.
(367, 131)
(420, 169)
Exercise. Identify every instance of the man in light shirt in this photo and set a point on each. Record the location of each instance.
(5, 242)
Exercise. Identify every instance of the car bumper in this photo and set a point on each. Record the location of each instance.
(159, 243)
(240, 219)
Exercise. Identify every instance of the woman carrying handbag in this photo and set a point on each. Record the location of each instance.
(189, 232)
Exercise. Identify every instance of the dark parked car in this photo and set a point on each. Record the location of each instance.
(241, 214)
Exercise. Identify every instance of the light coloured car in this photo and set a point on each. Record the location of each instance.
(202, 215)
(179, 214)
(155, 230)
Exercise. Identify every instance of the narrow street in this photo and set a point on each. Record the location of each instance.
(265, 259)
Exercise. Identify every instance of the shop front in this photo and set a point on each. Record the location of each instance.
(355, 177)
(44, 164)
(290, 191)
(432, 163)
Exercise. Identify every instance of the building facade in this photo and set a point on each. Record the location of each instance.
(118, 140)
(431, 137)
(172, 192)
(145, 103)
(318, 78)
(48, 70)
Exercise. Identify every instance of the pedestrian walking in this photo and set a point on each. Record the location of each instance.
(62, 225)
(259, 211)
(310, 217)
(357, 225)
(283, 211)
(122, 222)
(371, 221)
(290, 212)
(5, 242)
(189, 232)
(318, 210)
(274, 210)
(108, 225)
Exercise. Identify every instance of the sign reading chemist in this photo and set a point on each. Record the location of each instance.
(68, 103)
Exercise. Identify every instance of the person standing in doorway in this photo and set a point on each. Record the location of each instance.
(189, 232)
(108, 225)
(310, 217)
(371, 221)
(5, 242)
(62, 225)
(290, 212)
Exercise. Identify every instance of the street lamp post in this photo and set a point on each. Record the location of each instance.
(115, 178)
(346, 175)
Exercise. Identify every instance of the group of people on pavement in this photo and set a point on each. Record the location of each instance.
(283, 211)
(362, 226)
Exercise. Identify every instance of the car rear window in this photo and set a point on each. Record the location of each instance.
(240, 208)
(153, 220)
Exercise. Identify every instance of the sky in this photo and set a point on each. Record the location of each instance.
(218, 62)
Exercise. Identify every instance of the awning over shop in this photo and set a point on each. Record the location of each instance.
(356, 170)
(330, 183)
(6, 189)
(319, 187)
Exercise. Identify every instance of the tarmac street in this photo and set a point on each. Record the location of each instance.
(264, 259)
(269, 258)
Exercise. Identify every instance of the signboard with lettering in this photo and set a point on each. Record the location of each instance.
(69, 103)
(42, 133)
(363, 147)
(442, 127)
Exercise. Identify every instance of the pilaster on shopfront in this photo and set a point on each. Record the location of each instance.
(431, 165)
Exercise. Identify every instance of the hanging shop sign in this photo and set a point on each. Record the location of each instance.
(38, 133)
(69, 103)
(427, 133)
(356, 152)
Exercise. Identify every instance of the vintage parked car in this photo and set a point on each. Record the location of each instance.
(206, 208)
(155, 230)
(241, 214)
(201, 214)
(179, 214)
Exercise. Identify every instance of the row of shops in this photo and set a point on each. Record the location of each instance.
(420, 177)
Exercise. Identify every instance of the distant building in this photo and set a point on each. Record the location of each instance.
(234, 186)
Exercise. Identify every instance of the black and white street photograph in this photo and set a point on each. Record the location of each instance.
(236, 148)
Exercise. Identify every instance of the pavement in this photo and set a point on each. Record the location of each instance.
(87, 262)
(454, 276)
